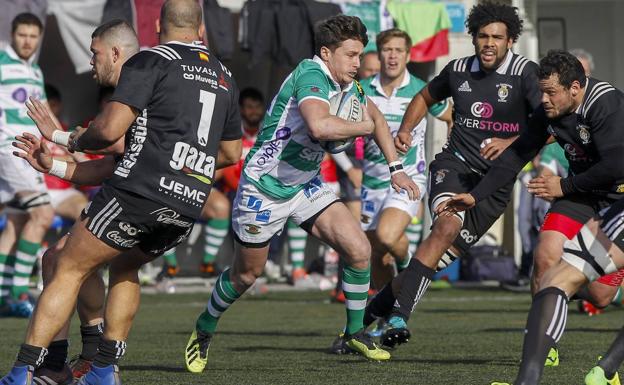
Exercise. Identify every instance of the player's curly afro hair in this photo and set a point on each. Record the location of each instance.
(491, 12)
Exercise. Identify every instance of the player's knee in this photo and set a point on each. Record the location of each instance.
(387, 237)
(42, 216)
(245, 279)
(445, 230)
(359, 254)
(48, 263)
(221, 209)
(545, 256)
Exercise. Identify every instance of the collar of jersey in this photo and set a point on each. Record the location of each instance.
(578, 109)
(502, 68)
(13, 55)
(376, 83)
(337, 87)
(196, 43)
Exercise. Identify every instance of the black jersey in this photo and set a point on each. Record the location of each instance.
(496, 104)
(187, 102)
(593, 140)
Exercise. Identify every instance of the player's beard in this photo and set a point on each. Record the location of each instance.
(106, 75)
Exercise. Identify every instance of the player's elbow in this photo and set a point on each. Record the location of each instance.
(231, 153)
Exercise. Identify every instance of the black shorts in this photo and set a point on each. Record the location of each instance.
(568, 214)
(448, 175)
(123, 220)
(613, 223)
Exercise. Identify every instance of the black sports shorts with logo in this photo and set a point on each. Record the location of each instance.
(613, 223)
(123, 220)
(449, 175)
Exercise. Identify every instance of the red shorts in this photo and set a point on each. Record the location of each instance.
(561, 223)
(613, 279)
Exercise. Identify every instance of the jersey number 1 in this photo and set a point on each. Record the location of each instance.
(207, 99)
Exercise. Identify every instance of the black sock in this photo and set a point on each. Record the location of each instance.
(57, 355)
(545, 325)
(415, 281)
(109, 352)
(380, 305)
(30, 355)
(90, 340)
(614, 357)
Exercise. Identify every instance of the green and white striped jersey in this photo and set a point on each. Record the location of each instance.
(285, 157)
(19, 79)
(375, 168)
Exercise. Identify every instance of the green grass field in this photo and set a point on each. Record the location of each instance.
(459, 337)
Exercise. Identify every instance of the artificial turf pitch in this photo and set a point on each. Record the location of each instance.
(459, 337)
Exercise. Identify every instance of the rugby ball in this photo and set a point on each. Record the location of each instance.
(347, 106)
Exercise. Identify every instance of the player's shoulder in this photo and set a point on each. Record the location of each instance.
(601, 98)
(521, 66)
(462, 64)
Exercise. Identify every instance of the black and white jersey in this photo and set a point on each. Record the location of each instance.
(592, 137)
(187, 102)
(593, 140)
(496, 104)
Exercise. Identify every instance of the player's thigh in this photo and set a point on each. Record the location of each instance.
(83, 252)
(217, 206)
(337, 227)
(480, 218)
(392, 224)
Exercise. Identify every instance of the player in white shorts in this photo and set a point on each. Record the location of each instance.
(280, 181)
(21, 188)
(386, 213)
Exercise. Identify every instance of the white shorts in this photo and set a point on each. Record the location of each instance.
(256, 217)
(374, 202)
(16, 175)
(58, 196)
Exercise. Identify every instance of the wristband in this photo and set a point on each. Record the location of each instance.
(61, 137)
(59, 168)
(395, 167)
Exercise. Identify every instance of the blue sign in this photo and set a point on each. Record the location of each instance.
(254, 203)
(457, 14)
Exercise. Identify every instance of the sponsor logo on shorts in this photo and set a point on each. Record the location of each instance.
(263, 216)
(129, 229)
(170, 217)
(440, 175)
(251, 229)
(469, 238)
(254, 203)
(365, 219)
(368, 206)
(121, 241)
(138, 135)
(312, 187)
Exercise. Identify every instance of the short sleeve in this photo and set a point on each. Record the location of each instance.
(439, 87)
(232, 129)
(438, 108)
(311, 84)
(138, 79)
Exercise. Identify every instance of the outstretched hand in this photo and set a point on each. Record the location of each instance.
(455, 204)
(401, 181)
(546, 186)
(42, 117)
(403, 141)
(36, 153)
